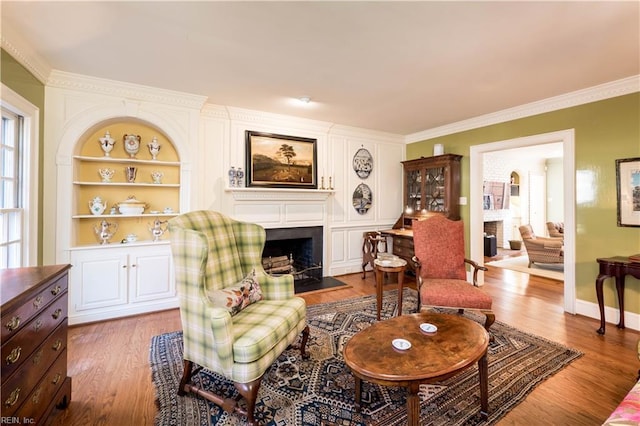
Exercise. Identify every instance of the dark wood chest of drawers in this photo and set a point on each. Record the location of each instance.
(34, 342)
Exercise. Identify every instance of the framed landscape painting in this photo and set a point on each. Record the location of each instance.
(279, 161)
(628, 191)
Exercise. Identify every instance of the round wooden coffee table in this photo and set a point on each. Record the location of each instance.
(433, 356)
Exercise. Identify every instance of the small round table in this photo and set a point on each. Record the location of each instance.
(381, 266)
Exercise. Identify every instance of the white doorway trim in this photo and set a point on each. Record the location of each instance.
(567, 138)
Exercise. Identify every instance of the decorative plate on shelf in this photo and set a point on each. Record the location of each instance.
(363, 163)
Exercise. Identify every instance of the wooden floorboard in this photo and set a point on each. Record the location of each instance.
(109, 361)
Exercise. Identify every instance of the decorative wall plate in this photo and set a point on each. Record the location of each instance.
(362, 198)
(363, 163)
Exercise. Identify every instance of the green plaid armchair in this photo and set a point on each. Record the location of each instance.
(213, 253)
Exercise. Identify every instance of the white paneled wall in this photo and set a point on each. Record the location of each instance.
(211, 138)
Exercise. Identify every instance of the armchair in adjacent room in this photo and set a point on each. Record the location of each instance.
(541, 249)
(441, 271)
(236, 319)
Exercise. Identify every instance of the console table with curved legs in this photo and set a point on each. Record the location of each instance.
(614, 267)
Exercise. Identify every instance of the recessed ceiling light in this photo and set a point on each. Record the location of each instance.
(305, 99)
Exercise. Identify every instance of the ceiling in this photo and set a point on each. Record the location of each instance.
(399, 67)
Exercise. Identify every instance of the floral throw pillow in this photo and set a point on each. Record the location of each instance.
(239, 296)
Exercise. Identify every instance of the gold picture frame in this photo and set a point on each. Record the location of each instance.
(280, 161)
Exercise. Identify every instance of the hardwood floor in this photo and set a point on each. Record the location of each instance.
(109, 361)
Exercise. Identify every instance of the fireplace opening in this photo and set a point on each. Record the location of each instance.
(296, 251)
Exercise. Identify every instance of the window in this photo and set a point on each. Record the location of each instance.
(11, 211)
(18, 181)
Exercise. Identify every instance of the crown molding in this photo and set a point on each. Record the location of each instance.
(612, 89)
(215, 111)
(93, 85)
(12, 43)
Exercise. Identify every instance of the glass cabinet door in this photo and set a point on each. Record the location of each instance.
(435, 191)
(414, 188)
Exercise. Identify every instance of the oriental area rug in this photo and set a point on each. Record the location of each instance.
(320, 390)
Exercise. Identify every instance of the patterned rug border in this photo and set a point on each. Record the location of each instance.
(197, 411)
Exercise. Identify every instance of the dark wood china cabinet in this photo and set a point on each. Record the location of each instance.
(431, 186)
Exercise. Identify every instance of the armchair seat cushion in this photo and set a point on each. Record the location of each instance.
(453, 293)
(259, 327)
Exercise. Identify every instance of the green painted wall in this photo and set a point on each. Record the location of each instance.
(21, 81)
(604, 131)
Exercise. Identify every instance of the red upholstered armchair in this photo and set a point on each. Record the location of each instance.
(441, 268)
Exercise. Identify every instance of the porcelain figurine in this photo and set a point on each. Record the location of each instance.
(130, 173)
(132, 144)
(105, 230)
(106, 174)
(106, 143)
(239, 177)
(97, 206)
(157, 229)
(232, 177)
(154, 148)
(157, 176)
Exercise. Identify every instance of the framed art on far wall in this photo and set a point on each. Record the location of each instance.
(279, 161)
(628, 191)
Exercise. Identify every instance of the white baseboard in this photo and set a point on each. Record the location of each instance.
(611, 315)
(119, 312)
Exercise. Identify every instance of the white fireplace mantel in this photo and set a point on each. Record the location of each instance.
(279, 194)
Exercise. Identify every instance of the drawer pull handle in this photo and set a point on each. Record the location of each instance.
(36, 396)
(56, 379)
(56, 290)
(37, 357)
(57, 313)
(13, 398)
(38, 302)
(13, 324)
(57, 345)
(37, 325)
(14, 356)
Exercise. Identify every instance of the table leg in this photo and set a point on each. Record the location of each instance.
(600, 296)
(379, 292)
(483, 372)
(400, 285)
(413, 404)
(620, 290)
(358, 392)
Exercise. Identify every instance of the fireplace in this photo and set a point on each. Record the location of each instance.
(300, 247)
(495, 228)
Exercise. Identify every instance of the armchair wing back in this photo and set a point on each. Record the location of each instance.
(441, 268)
(555, 229)
(214, 256)
(541, 249)
(440, 247)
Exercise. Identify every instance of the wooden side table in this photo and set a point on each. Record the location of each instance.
(391, 265)
(616, 267)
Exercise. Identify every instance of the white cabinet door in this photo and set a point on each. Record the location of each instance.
(98, 279)
(151, 275)
(120, 280)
